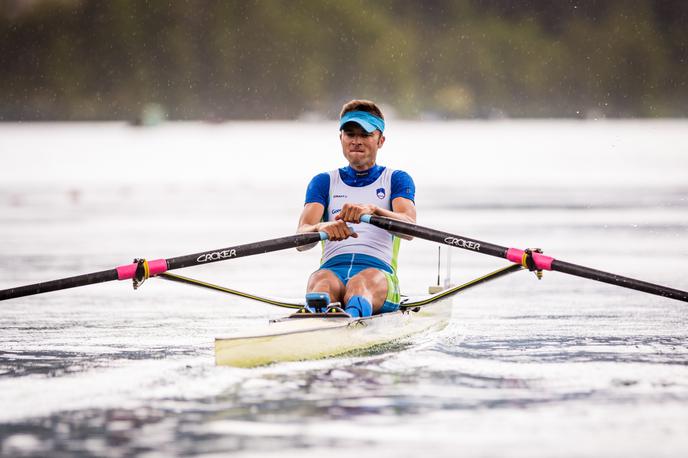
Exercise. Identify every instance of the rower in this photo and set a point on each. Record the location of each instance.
(359, 262)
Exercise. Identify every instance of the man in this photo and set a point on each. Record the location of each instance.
(359, 262)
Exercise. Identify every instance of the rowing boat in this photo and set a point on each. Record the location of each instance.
(299, 337)
(305, 336)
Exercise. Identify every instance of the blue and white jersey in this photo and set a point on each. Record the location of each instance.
(378, 186)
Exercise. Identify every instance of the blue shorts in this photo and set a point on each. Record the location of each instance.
(345, 266)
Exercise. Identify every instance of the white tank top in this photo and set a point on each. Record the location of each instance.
(371, 240)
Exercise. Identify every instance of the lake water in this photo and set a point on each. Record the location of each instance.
(558, 367)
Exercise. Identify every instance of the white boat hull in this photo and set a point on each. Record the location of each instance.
(295, 339)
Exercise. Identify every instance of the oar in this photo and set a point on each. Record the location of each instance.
(139, 270)
(531, 260)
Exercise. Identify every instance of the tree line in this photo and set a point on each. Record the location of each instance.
(287, 59)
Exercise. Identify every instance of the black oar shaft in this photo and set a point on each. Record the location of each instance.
(515, 255)
(248, 249)
(618, 280)
(62, 283)
(158, 266)
(438, 236)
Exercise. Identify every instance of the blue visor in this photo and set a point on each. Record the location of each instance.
(369, 122)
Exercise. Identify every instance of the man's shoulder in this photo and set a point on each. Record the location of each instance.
(318, 189)
(401, 175)
(403, 185)
(321, 176)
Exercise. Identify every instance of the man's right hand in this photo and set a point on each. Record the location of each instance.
(336, 230)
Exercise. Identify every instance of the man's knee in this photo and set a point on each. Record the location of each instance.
(368, 278)
(369, 282)
(326, 281)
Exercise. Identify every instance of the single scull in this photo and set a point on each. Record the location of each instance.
(303, 336)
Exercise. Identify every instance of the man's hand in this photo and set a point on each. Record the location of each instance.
(352, 212)
(336, 230)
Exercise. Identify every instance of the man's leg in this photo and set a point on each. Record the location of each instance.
(325, 281)
(369, 285)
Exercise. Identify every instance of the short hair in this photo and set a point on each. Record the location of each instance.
(362, 105)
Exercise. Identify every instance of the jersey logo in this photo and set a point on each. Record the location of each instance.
(380, 193)
(339, 196)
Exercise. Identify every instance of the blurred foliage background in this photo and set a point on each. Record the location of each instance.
(287, 59)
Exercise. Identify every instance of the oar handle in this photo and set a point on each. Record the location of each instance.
(158, 266)
(540, 261)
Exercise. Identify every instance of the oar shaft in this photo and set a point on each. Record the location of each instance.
(516, 255)
(618, 280)
(159, 266)
(434, 235)
(62, 283)
(248, 249)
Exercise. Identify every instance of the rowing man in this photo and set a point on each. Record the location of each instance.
(359, 262)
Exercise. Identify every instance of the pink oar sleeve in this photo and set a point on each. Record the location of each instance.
(542, 262)
(128, 271)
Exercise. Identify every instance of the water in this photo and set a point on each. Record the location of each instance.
(557, 367)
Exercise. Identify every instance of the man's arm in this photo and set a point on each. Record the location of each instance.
(310, 221)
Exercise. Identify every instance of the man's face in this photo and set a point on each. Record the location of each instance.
(360, 147)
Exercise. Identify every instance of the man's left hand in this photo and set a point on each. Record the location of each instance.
(351, 213)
